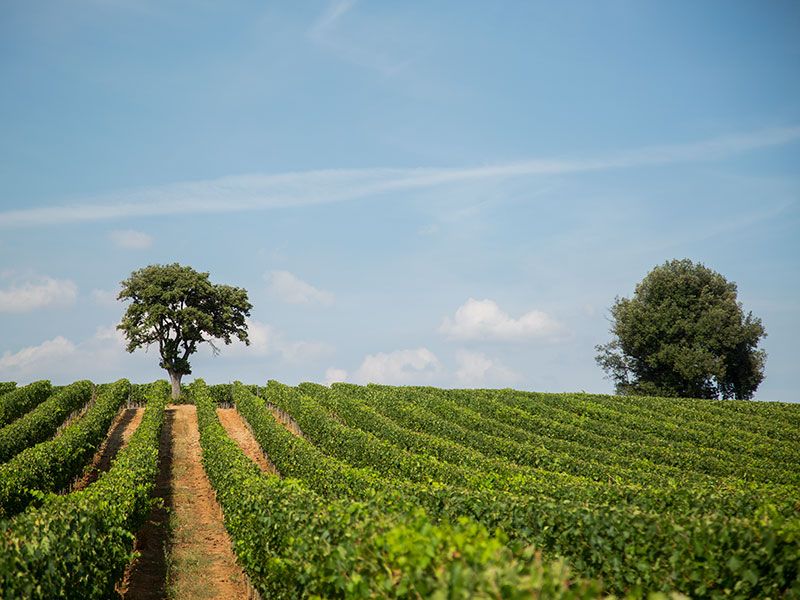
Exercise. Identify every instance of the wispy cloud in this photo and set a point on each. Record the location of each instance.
(328, 20)
(106, 298)
(50, 350)
(37, 292)
(327, 33)
(293, 290)
(262, 192)
(477, 369)
(267, 341)
(100, 357)
(332, 375)
(130, 239)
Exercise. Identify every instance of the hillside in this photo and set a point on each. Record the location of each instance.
(363, 491)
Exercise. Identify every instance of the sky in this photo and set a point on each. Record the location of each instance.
(448, 193)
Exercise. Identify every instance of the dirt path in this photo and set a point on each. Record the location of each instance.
(186, 552)
(121, 430)
(238, 431)
(146, 578)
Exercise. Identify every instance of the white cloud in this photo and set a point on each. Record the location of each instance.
(111, 335)
(399, 367)
(333, 375)
(260, 336)
(290, 288)
(101, 357)
(47, 352)
(476, 369)
(106, 298)
(485, 320)
(302, 350)
(38, 292)
(266, 340)
(262, 192)
(130, 239)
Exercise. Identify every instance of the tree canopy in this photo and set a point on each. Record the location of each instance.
(685, 334)
(178, 308)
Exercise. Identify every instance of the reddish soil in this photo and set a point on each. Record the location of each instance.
(239, 432)
(185, 550)
(121, 430)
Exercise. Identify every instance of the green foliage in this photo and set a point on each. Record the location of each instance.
(293, 544)
(221, 393)
(424, 492)
(730, 447)
(138, 394)
(438, 428)
(565, 432)
(178, 308)
(684, 334)
(660, 537)
(7, 386)
(78, 545)
(296, 457)
(15, 402)
(43, 421)
(51, 465)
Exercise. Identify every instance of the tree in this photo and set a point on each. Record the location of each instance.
(178, 308)
(684, 334)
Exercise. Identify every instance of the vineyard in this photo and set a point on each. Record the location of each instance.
(380, 491)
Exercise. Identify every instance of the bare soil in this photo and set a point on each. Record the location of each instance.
(146, 578)
(239, 432)
(120, 431)
(185, 551)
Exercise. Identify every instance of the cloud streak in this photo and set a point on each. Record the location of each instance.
(325, 33)
(303, 188)
(330, 18)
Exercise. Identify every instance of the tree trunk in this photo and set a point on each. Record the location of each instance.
(175, 379)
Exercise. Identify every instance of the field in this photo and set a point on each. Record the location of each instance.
(379, 491)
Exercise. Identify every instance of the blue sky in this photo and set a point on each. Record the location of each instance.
(448, 193)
